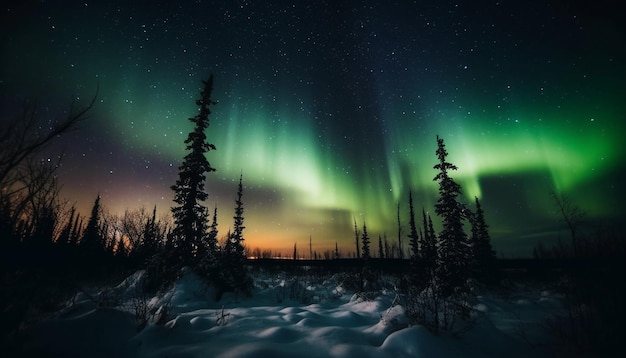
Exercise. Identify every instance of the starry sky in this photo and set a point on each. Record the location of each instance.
(330, 109)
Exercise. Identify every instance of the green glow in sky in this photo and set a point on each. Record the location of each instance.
(334, 118)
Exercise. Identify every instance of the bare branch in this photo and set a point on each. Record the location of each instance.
(21, 139)
(572, 215)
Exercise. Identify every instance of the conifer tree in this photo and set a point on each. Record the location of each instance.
(92, 250)
(93, 240)
(400, 249)
(150, 240)
(452, 250)
(483, 254)
(237, 235)
(336, 250)
(212, 245)
(210, 255)
(190, 216)
(428, 244)
(356, 240)
(227, 246)
(381, 252)
(234, 255)
(386, 246)
(416, 275)
(413, 236)
(365, 240)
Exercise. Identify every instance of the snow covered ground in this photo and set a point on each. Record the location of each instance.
(303, 316)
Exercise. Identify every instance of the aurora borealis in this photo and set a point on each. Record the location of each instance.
(330, 109)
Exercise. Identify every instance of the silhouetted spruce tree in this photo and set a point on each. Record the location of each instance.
(92, 253)
(386, 245)
(365, 240)
(416, 276)
(210, 253)
(452, 249)
(234, 265)
(413, 235)
(336, 250)
(356, 240)
(381, 252)
(93, 240)
(226, 246)
(151, 239)
(400, 249)
(237, 235)
(190, 216)
(484, 257)
(212, 243)
(428, 244)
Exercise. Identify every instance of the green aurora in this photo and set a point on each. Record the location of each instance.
(333, 118)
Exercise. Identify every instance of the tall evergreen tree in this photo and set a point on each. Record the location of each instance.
(386, 246)
(413, 235)
(400, 249)
(428, 244)
(227, 245)
(92, 250)
(93, 240)
(365, 240)
(235, 257)
(417, 275)
(190, 216)
(420, 273)
(150, 241)
(212, 244)
(356, 239)
(381, 252)
(483, 254)
(237, 234)
(210, 255)
(452, 250)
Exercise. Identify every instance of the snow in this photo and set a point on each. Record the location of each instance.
(303, 316)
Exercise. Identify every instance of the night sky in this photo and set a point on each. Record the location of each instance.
(331, 108)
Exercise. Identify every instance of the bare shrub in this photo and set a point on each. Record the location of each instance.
(427, 307)
(294, 288)
(222, 317)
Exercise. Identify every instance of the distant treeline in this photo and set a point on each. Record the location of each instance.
(528, 265)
